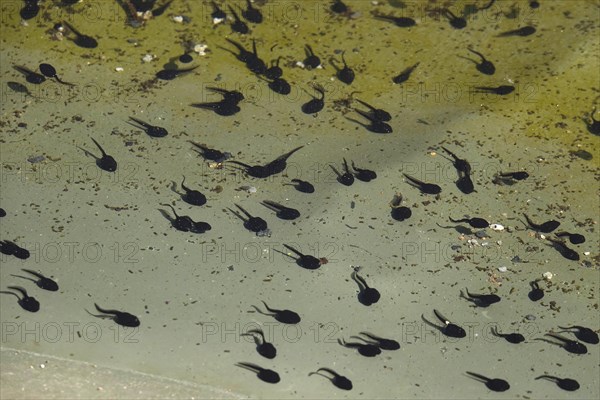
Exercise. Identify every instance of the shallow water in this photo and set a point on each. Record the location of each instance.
(103, 238)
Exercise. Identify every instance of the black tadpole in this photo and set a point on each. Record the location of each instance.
(582, 333)
(375, 126)
(30, 10)
(30, 76)
(536, 293)
(238, 25)
(346, 179)
(382, 343)
(252, 14)
(567, 384)
(274, 72)
(253, 224)
(564, 250)
(106, 162)
(50, 72)
(170, 74)
(27, 303)
(317, 103)
(42, 282)
(485, 66)
(374, 113)
(311, 61)
(364, 349)
(82, 40)
(279, 85)
(481, 300)
(338, 7)
(302, 186)
(193, 197)
(455, 22)
(514, 338)
(222, 108)
(572, 346)
(365, 175)
(545, 227)
(510, 178)
(12, 249)
(449, 329)
(593, 126)
(263, 347)
(367, 296)
(524, 31)
(338, 380)
(479, 223)
(401, 22)
(495, 384)
(265, 375)
(405, 74)
(501, 90)
(574, 238)
(283, 316)
(282, 212)
(304, 260)
(399, 212)
(181, 223)
(345, 74)
(120, 317)
(217, 12)
(211, 154)
(424, 187)
(151, 130)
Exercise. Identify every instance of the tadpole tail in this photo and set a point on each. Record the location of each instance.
(441, 317)
(71, 28)
(293, 250)
(104, 311)
(480, 377)
(172, 209)
(20, 289)
(100, 147)
(288, 154)
(24, 277)
(33, 272)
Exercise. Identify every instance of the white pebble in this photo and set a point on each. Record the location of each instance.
(119, 69)
(299, 64)
(218, 20)
(547, 275)
(502, 269)
(496, 227)
(249, 189)
(201, 49)
(178, 18)
(148, 58)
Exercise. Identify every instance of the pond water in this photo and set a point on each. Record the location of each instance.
(106, 237)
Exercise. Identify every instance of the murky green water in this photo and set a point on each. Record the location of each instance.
(102, 237)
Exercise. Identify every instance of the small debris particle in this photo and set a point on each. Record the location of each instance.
(36, 159)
